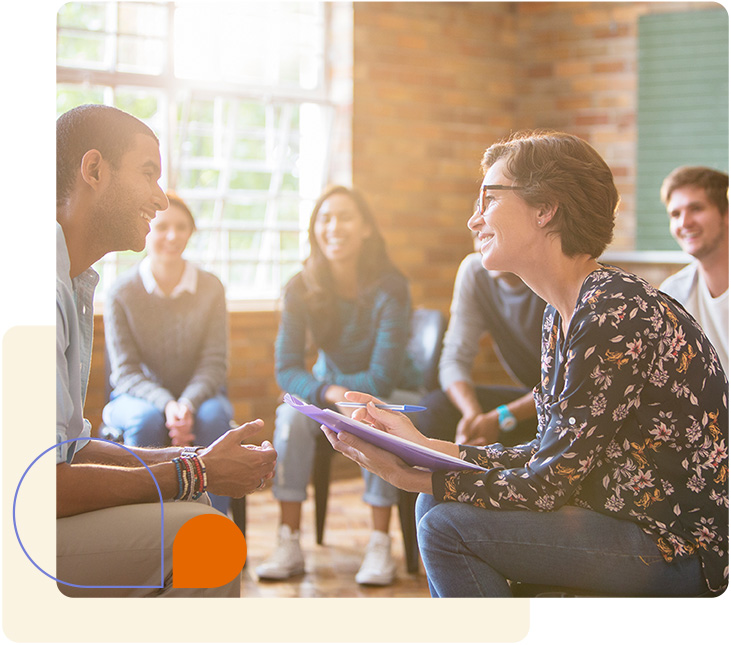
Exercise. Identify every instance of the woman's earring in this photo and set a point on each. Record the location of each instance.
(540, 221)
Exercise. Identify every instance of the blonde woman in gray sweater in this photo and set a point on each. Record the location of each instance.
(166, 333)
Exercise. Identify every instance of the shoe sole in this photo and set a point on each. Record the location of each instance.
(371, 583)
(269, 576)
(382, 582)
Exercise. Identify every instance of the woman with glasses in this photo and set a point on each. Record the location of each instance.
(625, 489)
(352, 305)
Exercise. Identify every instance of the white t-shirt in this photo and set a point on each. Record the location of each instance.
(712, 315)
(688, 287)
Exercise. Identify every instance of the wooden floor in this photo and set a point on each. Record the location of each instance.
(330, 567)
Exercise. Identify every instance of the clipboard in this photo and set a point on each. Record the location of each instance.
(412, 453)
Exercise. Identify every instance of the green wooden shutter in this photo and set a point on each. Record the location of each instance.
(683, 108)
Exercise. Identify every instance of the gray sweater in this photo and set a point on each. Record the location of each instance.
(162, 349)
(512, 316)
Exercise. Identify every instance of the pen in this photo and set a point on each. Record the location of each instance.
(383, 406)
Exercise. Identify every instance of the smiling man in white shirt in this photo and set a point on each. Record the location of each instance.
(696, 199)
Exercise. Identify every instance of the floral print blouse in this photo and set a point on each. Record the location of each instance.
(633, 423)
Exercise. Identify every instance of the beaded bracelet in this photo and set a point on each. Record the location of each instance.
(178, 470)
(200, 485)
(192, 478)
(188, 479)
(184, 479)
(203, 469)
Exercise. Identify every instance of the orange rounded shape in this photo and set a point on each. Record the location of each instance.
(208, 551)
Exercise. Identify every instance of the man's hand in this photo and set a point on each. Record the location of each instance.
(478, 430)
(234, 469)
(179, 421)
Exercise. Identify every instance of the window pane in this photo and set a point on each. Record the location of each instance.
(82, 50)
(140, 103)
(250, 180)
(243, 275)
(202, 210)
(250, 213)
(250, 149)
(289, 211)
(248, 163)
(251, 115)
(200, 178)
(289, 244)
(83, 16)
(142, 19)
(71, 96)
(244, 241)
(140, 55)
(290, 182)
(198, 145)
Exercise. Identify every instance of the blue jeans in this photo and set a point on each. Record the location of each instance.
(472, 552)
(143, 425)
(295, 437)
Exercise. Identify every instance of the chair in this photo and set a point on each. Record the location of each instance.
(424, 347)
(237, 506)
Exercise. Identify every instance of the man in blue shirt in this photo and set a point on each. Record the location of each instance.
(108, 526)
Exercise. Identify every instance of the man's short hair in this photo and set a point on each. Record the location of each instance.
(714, 182)
(92, 127)
(561, 169)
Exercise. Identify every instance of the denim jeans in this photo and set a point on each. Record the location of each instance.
(294, 440)
(472, 552)
(295, 437)
(143, 425)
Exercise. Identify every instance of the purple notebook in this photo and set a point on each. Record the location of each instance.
(411, 453)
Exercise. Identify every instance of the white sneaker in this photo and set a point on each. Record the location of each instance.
(378, 567)
(287, 559)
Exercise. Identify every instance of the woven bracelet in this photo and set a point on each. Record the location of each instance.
(196, 467)
(176, 461)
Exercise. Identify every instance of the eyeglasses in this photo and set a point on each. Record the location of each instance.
(480, 206)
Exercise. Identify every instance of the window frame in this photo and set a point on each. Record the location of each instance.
(173, 90)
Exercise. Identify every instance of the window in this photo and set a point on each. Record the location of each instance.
(682, 108)
(244, 102)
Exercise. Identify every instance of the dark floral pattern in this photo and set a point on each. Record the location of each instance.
(633, 423)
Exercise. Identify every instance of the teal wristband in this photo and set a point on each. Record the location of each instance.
(506, 419)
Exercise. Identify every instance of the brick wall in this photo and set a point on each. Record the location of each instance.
(434, 84)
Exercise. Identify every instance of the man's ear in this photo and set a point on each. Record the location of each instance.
(92, 167)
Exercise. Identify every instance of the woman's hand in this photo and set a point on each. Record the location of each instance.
(390, 421)
(380, 462)
(179, 422)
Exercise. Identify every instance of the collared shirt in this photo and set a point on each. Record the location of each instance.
(188, 281)
(74, 336)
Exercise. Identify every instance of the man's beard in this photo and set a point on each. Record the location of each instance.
(116, 220)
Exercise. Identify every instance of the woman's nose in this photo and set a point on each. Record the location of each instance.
(473, 222)
(334, 223)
